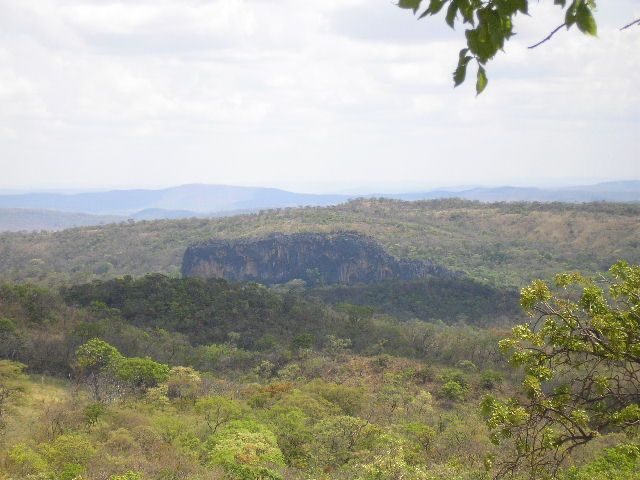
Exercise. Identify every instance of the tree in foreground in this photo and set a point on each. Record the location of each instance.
(491, 24)
(108, 373)
(581, 359)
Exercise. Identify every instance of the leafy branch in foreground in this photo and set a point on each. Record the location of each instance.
(581, 360)
(491, 25)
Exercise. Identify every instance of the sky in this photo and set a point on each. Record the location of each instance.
(317, 96)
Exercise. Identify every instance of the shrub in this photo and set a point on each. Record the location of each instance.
(93, 412)
(621, 462)
(452, 390)
(27, 461)
(130, 475)
(184, 383)
(142, 373)
(67, 449)
(491, 379)
(246, 451)
(467, 365)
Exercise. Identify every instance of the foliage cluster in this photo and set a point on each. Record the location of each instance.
(490, 25)
(428, 299)
(581, 360)
(351, 417)
(213, 326)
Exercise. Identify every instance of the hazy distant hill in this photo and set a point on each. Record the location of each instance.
(28, 219)
(42, 211)
(190, 199)
(162, 213)
(22, 219)
(627, 191)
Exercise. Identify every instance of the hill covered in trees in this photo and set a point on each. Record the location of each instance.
(500, 243)
(154, 376)
(187, 379)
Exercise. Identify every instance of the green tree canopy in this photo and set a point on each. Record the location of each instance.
(581, 360)
(103, 367)
(96, 355)
(141, 373)
(246, 450)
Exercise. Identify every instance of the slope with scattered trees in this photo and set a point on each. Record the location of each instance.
(500, 243)
(346, 396)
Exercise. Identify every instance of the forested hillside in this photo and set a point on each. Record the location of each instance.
(504, 243)
(188, 376)
(186, 379)
(447, 299)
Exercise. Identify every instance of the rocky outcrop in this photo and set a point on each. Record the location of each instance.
(313, 257)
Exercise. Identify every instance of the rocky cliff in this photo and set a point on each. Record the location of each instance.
(313, 257)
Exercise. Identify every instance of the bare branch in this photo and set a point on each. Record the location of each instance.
(635, 22)
(548, 37)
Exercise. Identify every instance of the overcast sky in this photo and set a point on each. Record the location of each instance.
(314, 95)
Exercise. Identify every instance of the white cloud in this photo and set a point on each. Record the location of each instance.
(318, 94)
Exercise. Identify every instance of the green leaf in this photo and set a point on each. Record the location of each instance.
(481, 82)
(570, 16)
(461, 72)
(466, 9)
(412, 4)
(434, 7)
(452, 11)
(585, 21)
(524, 7)
(472, 40)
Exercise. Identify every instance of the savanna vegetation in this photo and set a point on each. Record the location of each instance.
(503, 244)
(448, 299)
(121, 385)
(135, 375)
(161, 378)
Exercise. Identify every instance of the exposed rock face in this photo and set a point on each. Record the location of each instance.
(313, 257)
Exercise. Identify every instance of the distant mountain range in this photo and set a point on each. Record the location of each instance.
(191, 199)
(55, 211)
(625, 191)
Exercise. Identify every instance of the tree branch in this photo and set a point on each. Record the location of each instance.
(635, 22)
(548, 37)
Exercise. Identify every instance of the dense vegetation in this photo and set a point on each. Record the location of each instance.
(447, 299)
(177, 320)
(327, 392)
(161, 378)
(150, 376)
(209, 307)
(502, 243)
